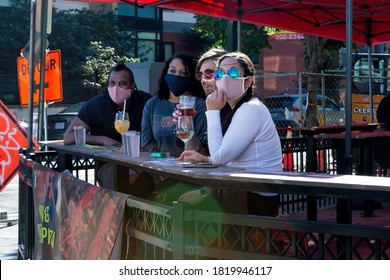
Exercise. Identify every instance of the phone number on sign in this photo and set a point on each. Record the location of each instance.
(242, 270)
(293, 36)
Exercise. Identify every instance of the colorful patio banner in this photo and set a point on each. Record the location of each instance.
(73, 219)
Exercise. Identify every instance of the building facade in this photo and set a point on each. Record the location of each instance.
(155, 34)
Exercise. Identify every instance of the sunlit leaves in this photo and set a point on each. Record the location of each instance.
(98, 64)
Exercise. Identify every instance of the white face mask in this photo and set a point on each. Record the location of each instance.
(234, 88)
(118, 94)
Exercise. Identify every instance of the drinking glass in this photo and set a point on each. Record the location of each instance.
(187, 105)
(122, 124)
(80, 135)
(185, 129)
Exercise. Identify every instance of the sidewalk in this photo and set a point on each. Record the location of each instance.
(8, 242)
(9, 226)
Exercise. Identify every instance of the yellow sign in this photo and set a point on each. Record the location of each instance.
(361, 107)
(53, 79)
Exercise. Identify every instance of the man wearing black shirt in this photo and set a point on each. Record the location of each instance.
(98, 116)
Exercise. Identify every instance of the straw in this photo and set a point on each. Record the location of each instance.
(124, 108)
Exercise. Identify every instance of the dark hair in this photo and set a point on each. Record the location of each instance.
(249, 70)
(213, 54)
(189, 62)
(383, 111)
(122, 67)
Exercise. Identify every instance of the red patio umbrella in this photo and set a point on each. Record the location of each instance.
(325, 18)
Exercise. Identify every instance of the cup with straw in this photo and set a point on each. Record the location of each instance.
(122, 122)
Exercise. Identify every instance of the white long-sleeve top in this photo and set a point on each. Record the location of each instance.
(251, 140)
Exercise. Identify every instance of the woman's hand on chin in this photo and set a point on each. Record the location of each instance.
(216, 100)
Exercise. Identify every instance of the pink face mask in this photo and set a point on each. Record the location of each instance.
(234, 88)
(118, 94)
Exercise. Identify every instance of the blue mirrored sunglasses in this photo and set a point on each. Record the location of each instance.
(233, 73)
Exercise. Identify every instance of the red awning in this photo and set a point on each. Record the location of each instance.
(325, 18)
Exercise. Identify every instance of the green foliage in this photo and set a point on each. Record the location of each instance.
(98, 65)
(14, 33)
(212, 29)
(254, 39)
(196, 42)
(72, 32)
(213, 32)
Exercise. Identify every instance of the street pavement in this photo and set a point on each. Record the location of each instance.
(9, 225)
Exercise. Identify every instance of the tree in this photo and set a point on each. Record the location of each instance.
(14, 33)
(97, 66)
(214, 31)
(319, 53)
(313, 62)
(74, 30)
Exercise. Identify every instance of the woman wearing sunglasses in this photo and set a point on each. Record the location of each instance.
(205, 68)
(250, 139)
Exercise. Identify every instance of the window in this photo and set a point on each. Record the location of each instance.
(126, 10)
(361, 73)
(5, 3)
(149, 12)
(148, 46)
(132, 11)
(168, 50)
(146, 50)
(143, 31)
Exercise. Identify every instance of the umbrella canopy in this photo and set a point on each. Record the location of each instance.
(325, 18)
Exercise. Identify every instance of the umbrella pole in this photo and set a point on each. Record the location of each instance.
(239, 23)
(42, 59)
(348, 87)
(239, 35)
(369, 49)
(31, 90)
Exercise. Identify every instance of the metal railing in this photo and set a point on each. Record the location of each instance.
(156, 231)
(180, 232)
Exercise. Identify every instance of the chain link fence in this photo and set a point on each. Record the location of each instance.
(285, 95)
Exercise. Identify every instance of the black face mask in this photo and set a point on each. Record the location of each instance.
(177, 84)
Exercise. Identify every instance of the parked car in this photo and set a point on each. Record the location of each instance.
(23, 124)
(58, 123)
(286, 110)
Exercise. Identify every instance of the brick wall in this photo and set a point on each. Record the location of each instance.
(285, 56)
